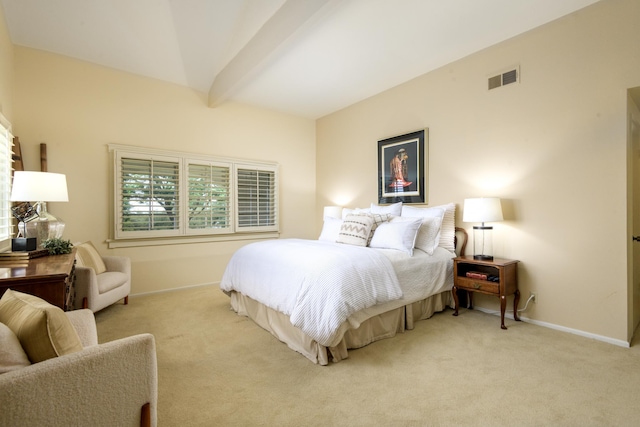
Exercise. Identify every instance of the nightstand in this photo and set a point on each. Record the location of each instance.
(498, 277)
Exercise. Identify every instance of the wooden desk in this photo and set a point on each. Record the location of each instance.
(48, 277)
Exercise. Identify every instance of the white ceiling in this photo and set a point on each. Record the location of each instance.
(305, 57)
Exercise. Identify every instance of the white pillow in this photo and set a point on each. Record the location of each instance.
(394, 209)
(377, 220)
(355, 229)
(428, 236)
(347, 211)
(448, 228)
(425, 238)
(399, 234)
(330, 229)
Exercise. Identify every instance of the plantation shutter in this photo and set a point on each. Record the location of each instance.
(257, 199)
(6, 144)
(150, 198)
(209, 197)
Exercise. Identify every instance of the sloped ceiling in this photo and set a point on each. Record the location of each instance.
(304, 57)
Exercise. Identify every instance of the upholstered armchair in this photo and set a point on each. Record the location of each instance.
(100, 280)
(54, 373)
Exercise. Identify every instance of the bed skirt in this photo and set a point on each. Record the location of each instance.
(354, 333)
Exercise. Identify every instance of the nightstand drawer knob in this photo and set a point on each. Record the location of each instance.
(476, 285)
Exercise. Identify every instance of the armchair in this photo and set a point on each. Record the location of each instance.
(100, 280)
(114, 383)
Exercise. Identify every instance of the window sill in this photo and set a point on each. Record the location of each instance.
(162, 241)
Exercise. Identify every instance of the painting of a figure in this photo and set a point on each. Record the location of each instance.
(401, 175)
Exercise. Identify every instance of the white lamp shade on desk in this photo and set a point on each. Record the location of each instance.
(41, 187)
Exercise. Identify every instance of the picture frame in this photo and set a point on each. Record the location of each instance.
(401, 168)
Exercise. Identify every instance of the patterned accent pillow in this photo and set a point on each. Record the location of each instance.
(355, 230)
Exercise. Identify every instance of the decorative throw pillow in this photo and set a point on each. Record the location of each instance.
(330, 229)
(88, 256)
(431, 222)
(12, 356)
(399, 234)
(394, 209)
(355, 230)
(44, 331)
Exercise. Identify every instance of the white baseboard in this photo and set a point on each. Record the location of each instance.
(596, 337)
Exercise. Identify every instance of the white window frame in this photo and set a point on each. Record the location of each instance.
(6, 151)
(183, 234)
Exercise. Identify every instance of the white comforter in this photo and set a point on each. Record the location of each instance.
(319, 285)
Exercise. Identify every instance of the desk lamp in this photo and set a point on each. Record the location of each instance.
(41, 187)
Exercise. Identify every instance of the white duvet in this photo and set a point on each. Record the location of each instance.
(318, 284)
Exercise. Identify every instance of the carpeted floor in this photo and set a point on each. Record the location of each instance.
(216, 368)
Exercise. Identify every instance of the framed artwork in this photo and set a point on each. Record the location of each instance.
(401, 168)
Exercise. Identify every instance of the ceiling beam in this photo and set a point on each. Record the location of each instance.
(253, 57)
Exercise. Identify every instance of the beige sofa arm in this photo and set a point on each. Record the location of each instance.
(103, 385)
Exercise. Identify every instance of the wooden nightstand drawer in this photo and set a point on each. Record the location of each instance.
(478, 285)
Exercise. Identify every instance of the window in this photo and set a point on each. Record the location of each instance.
(256, 198)
(6, 143)
(170, 194)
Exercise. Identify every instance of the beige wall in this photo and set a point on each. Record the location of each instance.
(553, 147)
(77, 109)
(6, 69)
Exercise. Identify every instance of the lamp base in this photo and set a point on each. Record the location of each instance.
(483, 257)
(23, 244)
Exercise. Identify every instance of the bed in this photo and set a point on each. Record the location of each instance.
(371, 274)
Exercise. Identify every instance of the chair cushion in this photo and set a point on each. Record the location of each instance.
(88, 256)
(111, 280)
(42, 328)
(12, 356)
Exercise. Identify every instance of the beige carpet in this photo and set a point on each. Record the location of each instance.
(219, 369)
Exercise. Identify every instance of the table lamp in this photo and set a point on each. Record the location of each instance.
(41, 187)
(482, 209)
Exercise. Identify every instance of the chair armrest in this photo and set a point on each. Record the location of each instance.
(103, 385)
(85, 282)
(118, 263)
(84, 323)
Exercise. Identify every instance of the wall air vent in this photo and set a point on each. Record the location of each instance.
(505, 78)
